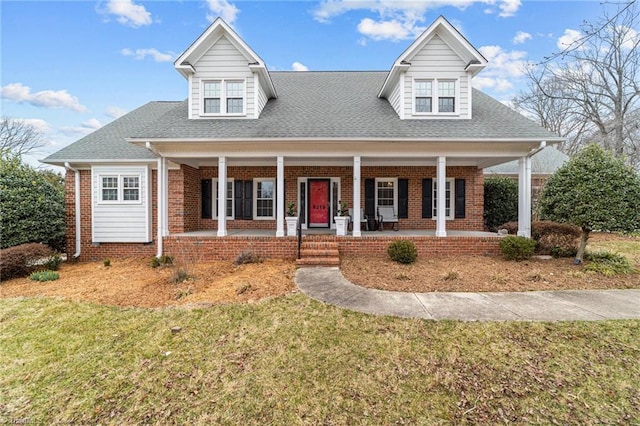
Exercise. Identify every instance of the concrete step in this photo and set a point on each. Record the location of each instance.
(318, 261)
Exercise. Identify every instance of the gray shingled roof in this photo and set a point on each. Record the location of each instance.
(545, 162)
(109, 142)
(309, 105)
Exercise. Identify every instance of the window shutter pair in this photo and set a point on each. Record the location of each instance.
(427, 198)
(370, 198)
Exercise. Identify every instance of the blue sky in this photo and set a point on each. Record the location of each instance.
(70, 67)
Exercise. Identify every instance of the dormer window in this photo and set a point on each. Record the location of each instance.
(223, 97)
(434, 96)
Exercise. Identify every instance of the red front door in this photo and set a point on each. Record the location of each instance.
(319, 203)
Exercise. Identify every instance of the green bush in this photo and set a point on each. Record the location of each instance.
(32, 205)
(554, 238)
(500, 201)
(44, 276)
(608, 264)
(18, 261)
(517, 248)
(402, 251)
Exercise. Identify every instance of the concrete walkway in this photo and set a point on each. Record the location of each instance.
(329, 285)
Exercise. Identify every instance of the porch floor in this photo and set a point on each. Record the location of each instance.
(385, 233)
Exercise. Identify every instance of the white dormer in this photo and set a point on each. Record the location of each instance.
(432, 77)
(227, 79)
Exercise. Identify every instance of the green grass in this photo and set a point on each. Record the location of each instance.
(629, 249)
(294, 361)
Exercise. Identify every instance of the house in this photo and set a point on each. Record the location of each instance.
(212, 174)
(543, 165)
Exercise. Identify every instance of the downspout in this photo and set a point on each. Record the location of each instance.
(534, 151)
(160, 198)
(76, 181)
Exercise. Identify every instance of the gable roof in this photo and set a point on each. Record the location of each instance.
(218, 29)
(545, 162)
(451, 36)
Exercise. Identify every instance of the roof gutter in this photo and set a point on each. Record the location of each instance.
(76, 181)
(534, 151)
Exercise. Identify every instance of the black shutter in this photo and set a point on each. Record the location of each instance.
(238, 195)
(247, 200)
(370, 197)
(205, 197)
(460, 199)
(427, 198)
(403, 198)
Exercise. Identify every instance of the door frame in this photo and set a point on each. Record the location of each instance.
(332, 203)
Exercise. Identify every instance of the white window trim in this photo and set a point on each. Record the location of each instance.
(395, 192)
(214, 190)
(120, 189)
(435, 96)
(452, 198)
(223, 97)
(255, 199)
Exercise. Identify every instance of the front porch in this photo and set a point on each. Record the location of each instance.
(206, 245)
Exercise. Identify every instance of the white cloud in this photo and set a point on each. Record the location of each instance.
(47, 98)
(224, 9)
(509, 8)
(630, 39)
(568, 39)
(521, 37)
(153, 53)
(38, 124)
(386, 30)
(128, 13)
(504, 68)
(114, 112)
(84, 129)
(297, 66)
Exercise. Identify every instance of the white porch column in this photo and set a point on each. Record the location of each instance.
(160, 205)
(356, 197)
(524, 197)
(165, 197)
(222, 196)
(441, 181)
(280, 198)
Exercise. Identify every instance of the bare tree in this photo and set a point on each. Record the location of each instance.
(600, 76)
(554, 112)
(19, 137)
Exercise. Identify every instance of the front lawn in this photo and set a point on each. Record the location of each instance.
(291, 360)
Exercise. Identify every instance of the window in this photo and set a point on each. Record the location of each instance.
(110, 188)
(229, 196)
(434, 96)
(264, 196)
(449, 188)
(424, 95)
(223, 97)
(387, 192)
(131, 188)
(446, 96)
(119, 189)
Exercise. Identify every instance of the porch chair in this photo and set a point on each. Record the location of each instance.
(386, 214)
(363, 220)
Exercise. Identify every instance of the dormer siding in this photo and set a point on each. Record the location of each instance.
(222, 62)
(434, 62)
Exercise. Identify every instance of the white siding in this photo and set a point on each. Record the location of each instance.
(394, 99)
(262, 99)
(121, 222)
(437, 60)
(222, 61)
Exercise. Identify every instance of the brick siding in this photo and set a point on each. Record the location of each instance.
(185, 207)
